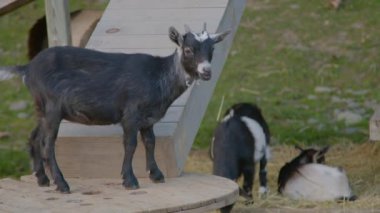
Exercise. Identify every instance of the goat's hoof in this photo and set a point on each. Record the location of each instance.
(131, 185)
(63, 188)
(157, 177)
(43, 181)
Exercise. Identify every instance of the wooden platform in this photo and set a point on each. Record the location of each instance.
(188, 193)
(141, 26)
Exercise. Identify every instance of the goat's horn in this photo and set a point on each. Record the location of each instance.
(187, 29)
(204, 27)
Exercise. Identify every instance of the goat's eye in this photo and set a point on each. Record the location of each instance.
(188, 51)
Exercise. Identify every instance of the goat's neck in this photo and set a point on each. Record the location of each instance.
(176, 80)
(180, 69)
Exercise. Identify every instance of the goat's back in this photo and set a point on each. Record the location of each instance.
(91, 63)
(94, 87)
(317, 182)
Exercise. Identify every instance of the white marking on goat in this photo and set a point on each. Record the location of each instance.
(258, 133)
(201, 66)
(318, 182)
(201, 36)
(228, 116)
(188, 79)
(263, 190)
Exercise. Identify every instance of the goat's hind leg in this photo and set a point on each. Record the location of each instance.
(263, 190)
(148, 139)
(35, 142)
(249, 174)
(50, 126)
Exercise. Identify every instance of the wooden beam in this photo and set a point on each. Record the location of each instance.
(58, 22)
(7, 6)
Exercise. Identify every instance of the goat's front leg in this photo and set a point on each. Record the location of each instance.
(148, 139)
(130, 143)
(50, 126)
(35, 152)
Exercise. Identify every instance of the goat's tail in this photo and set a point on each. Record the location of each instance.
(7, 73)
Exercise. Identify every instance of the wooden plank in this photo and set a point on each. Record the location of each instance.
(374, 126)
(151, 51)
(201, 93)
(174, 15)
(58, 22)
(150, 27)
(68, 129)
(7, 6)
(131, 41)
(82, 157)
(138, 4)
(189, 193)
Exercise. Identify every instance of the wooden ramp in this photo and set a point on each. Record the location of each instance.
(132, 26)
(182, 194)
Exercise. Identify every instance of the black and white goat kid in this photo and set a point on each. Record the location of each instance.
(240, 140)
(97, 88)
(306, 177)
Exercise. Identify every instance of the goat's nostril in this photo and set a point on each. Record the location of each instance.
(207, 70)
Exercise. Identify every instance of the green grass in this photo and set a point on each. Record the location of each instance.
(13, 163)
(282, 51)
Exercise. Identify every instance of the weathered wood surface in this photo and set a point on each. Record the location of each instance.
(58, 22)
(7, 6)
(102, 157)
(82, 26)
(374, 126)
(188, 193)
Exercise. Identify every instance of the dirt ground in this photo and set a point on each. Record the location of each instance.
(361, 162)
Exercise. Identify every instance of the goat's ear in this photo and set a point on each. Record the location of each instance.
(218, 37)
(175, 36)
(298, 147)
(320, 155)
(323, 150)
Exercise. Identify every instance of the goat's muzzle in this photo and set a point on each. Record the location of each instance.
(205, 75)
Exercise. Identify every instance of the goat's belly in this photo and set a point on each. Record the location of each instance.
(93, 117)
(318, 182)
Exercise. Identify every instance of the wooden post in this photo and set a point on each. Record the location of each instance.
(58, 22)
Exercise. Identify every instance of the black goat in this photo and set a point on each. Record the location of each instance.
(241, 140)
(97, 88)
(306, 177)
